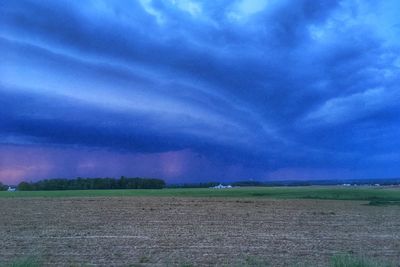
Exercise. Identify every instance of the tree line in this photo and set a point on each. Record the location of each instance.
(92, 183)
(3, 187)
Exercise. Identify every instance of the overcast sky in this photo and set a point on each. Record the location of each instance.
(192, 91)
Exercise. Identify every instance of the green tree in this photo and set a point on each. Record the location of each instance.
(3, 187)
(25, 186)
(92, 183)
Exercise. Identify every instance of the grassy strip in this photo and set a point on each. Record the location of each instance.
(25, 262)
(339, 260)
(351, 261)
(310, 192)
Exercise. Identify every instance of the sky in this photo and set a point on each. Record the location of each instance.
(196, 91)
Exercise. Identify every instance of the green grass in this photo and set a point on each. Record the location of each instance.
(339, 260)
(351, 261)
(372, 194)
(25, 262)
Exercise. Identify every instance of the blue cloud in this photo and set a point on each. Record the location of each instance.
(266, 84)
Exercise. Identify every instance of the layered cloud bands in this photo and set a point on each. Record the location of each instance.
(199, 90)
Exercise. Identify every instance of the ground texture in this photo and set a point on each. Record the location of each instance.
(151, 231)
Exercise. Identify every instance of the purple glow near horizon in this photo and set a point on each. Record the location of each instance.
(34, 163)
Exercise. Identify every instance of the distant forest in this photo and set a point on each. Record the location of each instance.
(3, 187)
(145, 183)
(92, 183)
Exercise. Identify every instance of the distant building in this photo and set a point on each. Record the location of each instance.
(11, 189)
(221, 186)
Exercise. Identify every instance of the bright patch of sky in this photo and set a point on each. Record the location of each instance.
(244, 9)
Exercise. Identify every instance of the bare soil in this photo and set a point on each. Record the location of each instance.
(150, 231)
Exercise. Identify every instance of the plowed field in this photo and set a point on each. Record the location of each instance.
(160, 231)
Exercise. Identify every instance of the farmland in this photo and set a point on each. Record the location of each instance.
(192, 227)
(307, 192)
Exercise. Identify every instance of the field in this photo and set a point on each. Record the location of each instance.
(199, 227)
(308, 192)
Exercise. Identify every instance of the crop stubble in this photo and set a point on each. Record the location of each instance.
(199, 231)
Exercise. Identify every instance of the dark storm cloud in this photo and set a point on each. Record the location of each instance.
(266, 84)
(38, 119)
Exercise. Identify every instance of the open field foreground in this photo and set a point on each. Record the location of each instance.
(160, 231)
